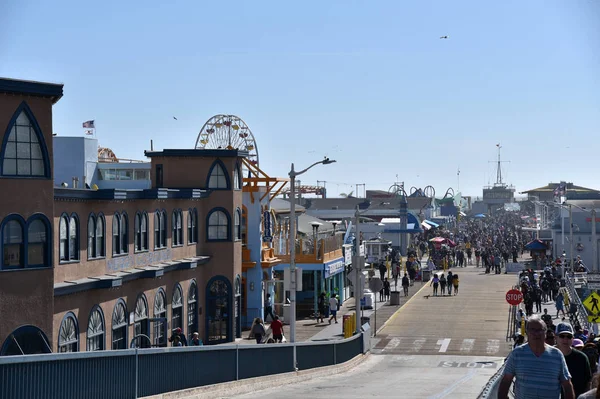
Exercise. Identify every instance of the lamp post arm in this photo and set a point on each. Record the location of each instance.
(324, 161)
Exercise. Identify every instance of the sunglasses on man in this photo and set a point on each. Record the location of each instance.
(565, 336)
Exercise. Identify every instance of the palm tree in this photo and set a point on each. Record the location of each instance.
(344, 195)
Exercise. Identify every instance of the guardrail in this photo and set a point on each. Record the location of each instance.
(490, 390)
(135, 373)
(582, 313)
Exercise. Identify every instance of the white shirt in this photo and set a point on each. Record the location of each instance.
(333, 303)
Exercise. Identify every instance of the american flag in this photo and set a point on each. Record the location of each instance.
(89, 125)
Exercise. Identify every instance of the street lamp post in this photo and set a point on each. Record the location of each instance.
(293, 175)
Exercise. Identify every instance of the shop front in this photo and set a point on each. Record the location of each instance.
(334, 277)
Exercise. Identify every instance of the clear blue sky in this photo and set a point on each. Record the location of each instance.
(367, 83)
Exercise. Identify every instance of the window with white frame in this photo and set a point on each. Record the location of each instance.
(176, 224)
(119, 326)
(160, 229)
(68, 334)
(217, 177)
(141, 232)
(95, 330)
(23, 154)
(218, 226)
(192, 225)
(69, 238)
(96, 236)
(119, 227)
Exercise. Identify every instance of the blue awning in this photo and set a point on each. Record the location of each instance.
(432, 224)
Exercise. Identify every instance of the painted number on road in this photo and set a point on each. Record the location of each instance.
(443, 343)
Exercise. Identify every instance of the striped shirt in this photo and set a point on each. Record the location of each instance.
(537, 377)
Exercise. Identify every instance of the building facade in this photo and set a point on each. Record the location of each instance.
(86, 269)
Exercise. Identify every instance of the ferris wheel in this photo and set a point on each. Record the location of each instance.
(228, 132)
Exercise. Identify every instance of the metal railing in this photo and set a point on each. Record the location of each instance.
(570, 281)
(490, 390)
(134, 373)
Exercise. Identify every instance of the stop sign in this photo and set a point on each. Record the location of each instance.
(514, 297)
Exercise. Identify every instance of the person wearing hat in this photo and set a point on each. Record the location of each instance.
(577, 362)
(196, 341)
(539, 370)
(178, 333)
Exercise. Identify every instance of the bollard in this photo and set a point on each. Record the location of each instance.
(523, 327)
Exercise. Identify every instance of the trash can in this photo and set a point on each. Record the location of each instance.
(426, 275)
(395, 298)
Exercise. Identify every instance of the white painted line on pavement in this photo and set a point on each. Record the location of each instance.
(493, 346)
(467, 345)
(393, 344)
(452, 387)
(418, 344)
(444, 344)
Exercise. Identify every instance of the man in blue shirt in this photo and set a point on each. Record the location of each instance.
(540, 370)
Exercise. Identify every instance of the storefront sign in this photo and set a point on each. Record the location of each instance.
(267, 233)
(347, 255)
(334, 267)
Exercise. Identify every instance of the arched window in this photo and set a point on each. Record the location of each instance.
(141, 232)
(13, 244)
(73, 238)
(244, 228)
(68, 334)
(160, 229)
(95, 330)
(37, 243)
(24, 151)
(177, 235)
(142, 324)
(218, 310)
(237, 178)
(119, 326)
(192, 225)
(192, 308)
(96, 236)
(160, 311)
(218, 225)
(217, 177)
(237, 224)
(119, 226)
(177, 308)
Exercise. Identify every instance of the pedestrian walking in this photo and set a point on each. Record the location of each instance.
(443, 284)
(436, 282)
(449, 281)
(269, 308)
(539, 370)
(333, 306)
(386, 289)
(405, 284)
(455, 282)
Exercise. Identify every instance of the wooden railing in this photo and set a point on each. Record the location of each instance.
(327, 249)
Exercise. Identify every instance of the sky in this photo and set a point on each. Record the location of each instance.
(369, 84)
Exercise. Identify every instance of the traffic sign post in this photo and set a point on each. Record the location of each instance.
(514, 297)
(592, 303)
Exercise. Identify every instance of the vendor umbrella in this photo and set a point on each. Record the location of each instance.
(451, 243)
(536, 245)
(479, 215)
(438, 240)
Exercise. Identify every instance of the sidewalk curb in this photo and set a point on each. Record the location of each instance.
(399, 309)
(228, 389)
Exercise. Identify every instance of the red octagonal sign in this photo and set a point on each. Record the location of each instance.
(514, 297)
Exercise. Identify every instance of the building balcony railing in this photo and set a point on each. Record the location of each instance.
(325, 250)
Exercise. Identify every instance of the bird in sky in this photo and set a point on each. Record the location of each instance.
(443, 37)
(175, 118)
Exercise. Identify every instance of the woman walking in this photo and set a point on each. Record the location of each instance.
(443, 284)
(435, 282)
(455, 282)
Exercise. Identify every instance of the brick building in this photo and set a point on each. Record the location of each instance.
(85, 269)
